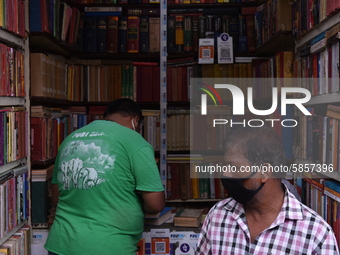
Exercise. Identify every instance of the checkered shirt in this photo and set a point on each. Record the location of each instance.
(297, 230)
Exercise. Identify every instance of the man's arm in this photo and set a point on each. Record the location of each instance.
(55, 195)
(153, 202)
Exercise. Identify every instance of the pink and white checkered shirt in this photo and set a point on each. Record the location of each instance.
(297, 230)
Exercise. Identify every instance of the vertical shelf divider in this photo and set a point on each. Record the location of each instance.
(163, 92)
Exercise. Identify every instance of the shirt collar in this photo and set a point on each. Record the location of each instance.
(291, 208)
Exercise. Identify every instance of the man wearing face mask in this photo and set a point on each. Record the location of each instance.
(261, 216)
(106, 177)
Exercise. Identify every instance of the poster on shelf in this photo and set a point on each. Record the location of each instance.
(206, 51)
(225, 49)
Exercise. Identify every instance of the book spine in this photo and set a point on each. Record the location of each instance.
(144, 34)
(122, 34)
(112, 34)
(101, 34)
(179, 33)
(90, 34)
(188, 31)
(133, 23)
(171, 28)
(154, 40)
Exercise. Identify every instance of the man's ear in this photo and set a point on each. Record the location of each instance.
(266, 172)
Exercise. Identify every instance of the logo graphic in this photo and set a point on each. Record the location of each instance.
(213, 95)
(238, 99)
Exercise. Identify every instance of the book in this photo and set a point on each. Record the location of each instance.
(171, 27)
(188, 31)
(122, 34)
(144, 34)
(154, 39)
(132, 45)
(179, 33)
(188, 218)
(90, 34)
(101, 34)
(332, 111)
(112, 34)
(158, 218)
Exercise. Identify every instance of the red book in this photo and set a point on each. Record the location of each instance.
(44, 16)
(175, 181)
(139, 83)
(74, 23)
(133, 34)
(146, 80)
(184, 89)
(250, 10)
(169, 83)
(155, 84)
(251, 33)
(112, 34)
(38, 138)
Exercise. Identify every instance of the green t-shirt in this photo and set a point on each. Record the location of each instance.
(99, 170)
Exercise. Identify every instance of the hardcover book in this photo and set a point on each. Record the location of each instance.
(158, 218)
(154, 34)
(133, 34)
(112, 34)
(144, 34)
(188, 218)
(122, 34)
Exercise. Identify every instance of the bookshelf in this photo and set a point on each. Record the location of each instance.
(317, 140)
(15, 133)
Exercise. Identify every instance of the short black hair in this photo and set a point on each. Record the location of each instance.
(258, 145)
(125, 107)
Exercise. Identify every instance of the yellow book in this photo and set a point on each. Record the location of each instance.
(3, 251)
(2, 16)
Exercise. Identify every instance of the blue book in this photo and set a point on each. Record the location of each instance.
(122, 34)
(90, 34)
(35, 16)
(159, 218)
(101, 34)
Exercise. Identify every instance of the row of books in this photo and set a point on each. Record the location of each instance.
(55, 18)
(323, 196)
(317, 63)
(12, 79)
(180, 184)
(119, 34)
(319, 140)
(13, 134)
(41, 192)
(157, 1)
(14, 204)
(50, 126)
(272, 17)
(185, 30)
(18, 243)
(103, 83)
(12, 16)
(307, 14)
(48, 132)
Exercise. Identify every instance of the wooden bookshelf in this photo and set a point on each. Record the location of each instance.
(45, 42)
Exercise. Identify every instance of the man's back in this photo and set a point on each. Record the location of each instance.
(98, 169)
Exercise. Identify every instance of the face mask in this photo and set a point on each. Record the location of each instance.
(133, 125)
(236, 190)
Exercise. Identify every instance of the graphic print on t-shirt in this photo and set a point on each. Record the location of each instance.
(83, 166)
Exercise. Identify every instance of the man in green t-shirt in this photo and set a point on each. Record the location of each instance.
(106, 177)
